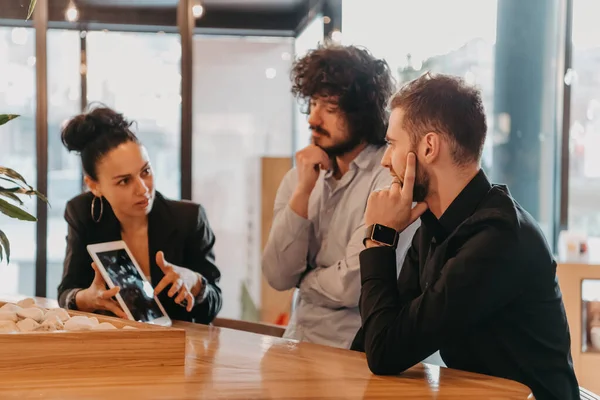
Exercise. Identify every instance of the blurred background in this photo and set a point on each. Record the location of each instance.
(208, 84)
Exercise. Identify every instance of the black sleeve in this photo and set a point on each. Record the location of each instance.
(408, 286)
(78, 272)
(400, 332)
(200, 257)
(407, 282)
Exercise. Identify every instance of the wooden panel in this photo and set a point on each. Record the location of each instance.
(273, 303)
(570, 277)
(147, 346)
(224, 363)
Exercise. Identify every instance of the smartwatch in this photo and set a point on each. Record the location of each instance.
(382, 234)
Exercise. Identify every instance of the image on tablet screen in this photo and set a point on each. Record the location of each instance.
(136, 292)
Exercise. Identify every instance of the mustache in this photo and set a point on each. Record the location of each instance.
(319, 130)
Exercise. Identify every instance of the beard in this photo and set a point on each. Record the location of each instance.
(421, 188)
(422, 182)
(338, 148)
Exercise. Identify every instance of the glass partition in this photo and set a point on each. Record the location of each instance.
(511, 50)
(584, 142)
(18, 151)
(139, 75)
(64, 168)
(242, 112)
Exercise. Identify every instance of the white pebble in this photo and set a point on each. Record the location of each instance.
(9, 316)
(129, 327)
(28, 302)
(44, 310)
(27, 325)
(51, 324)
(8, 327)
(78, 323)
(103, 326)
(34, 313)
(10, 307)
(61, 313)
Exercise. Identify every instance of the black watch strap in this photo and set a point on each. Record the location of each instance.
(72, 299)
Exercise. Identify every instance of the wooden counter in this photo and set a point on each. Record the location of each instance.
(224, 363)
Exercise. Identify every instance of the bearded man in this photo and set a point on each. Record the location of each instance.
(318, 225)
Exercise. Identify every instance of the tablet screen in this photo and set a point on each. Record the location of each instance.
(136, 292)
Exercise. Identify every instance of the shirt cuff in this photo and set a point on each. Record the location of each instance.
(70, 303)
(201, 297)
(378, 263)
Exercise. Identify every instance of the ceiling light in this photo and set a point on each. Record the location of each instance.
(71, 13)
(270, 73)
(336, 36)
(197, 9)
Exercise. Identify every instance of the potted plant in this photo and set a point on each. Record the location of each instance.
(12, 186)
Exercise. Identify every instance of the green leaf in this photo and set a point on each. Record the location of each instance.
(21, 184)
(11, 195)
(31, 8)
(4, 243)
(33, 192)
(12, 190)
(4, 118)
(13, 174)
(15, 212)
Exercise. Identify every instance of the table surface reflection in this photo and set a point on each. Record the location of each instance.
(225, 363)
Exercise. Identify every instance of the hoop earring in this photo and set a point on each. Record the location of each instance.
(101, 208)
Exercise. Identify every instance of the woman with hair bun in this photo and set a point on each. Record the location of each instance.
(171, 240)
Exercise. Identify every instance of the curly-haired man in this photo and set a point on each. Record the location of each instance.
(318, 227)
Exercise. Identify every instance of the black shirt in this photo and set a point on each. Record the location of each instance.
(480, 286)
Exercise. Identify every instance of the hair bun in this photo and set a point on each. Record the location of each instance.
(87, 128)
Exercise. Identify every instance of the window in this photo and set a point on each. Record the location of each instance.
(242, 111)
(64, 168)
(18, 151)
(584, 143)
(308, 39)
(510, 50)
(138, 74)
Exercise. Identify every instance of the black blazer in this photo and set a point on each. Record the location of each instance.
(179, 228)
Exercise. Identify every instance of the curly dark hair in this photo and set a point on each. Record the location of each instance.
(362, 84)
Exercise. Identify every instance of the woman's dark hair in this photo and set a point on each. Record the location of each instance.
(362, 84)
(94, 134)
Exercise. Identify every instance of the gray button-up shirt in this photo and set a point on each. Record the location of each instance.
(321, 252)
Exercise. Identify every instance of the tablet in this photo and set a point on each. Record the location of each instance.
(136, 296)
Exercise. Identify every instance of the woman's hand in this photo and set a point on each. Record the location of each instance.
(186, 284)
(97, 297)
